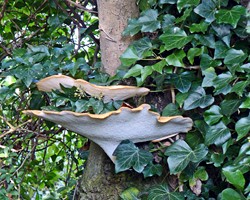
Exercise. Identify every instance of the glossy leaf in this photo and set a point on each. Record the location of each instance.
(234, 56)
(201, 27)
(207, 10)
(129, 57)
(159, 66)
(130, 194)
(235, 178)
(242, 127)
(207, 61)
(175, 38)
(186, 3)
(171, 110)
(230, 16)
(198, 98)
(161, 192)
(182, 82)
(176, 58)
(180, 155)
(228, 107)
(148, 20)
(217, 134)
(145, 72)
(229, 193)
(213, 115)
(152, 169)
(222, 83)
(192, 53)
(220, 50)
(128, 155)
(210, 75)
(134, 71)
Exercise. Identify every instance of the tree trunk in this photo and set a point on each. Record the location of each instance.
(99, 180)
(113, 16)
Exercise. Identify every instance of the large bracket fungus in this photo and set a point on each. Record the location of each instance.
(115, 92)
(109, 129)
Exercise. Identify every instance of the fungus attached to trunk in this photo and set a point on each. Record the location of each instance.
(114, 92)
(109, 129)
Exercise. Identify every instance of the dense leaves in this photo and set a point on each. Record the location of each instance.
(194, 52)
(128, 155)
(203, 60)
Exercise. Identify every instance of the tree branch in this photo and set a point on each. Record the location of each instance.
(3, 9)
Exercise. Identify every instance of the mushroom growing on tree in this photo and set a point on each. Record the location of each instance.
(109, 129)
(114, 92)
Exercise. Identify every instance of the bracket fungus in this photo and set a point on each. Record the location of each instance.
(114, 92)
(109, 129)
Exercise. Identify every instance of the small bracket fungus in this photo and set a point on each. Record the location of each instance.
(115, 92)
(109, 129)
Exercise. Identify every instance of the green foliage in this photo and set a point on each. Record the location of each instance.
(202, 52)
(196, 51)
(161, 192)
(128, 155)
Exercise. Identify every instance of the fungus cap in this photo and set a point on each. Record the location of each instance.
(114, 92)
(109, 129)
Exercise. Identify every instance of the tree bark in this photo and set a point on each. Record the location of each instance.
(113, 16)
(99, 180)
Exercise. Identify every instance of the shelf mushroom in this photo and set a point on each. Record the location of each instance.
(109, 129)
(114, 92)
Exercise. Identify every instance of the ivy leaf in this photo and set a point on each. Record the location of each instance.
(205, 40)
(159, 66)
(234, 56)
(132, 28)
(201, 27)
(130, 194)
(207, 10)
(161, 192)
(143, 47)
(217, 134)
(229, 193)
(242, 127)
(130, 56)
(171, 110)
(167, 1)
(210, 75)
(235, 178)
(168, 20)
(176, 58)
(230, 16)
(198, 98)
(228, 107)
(97, 105)
(182, 81)
(213, 115)
(221, 83)
(128, 155)
(207, 61)
(148, 20)
(134, 71)
(220, 50)
(239, 87)
(180, 155)
(175, 38)
(186, 3)
(145, 72)
(192, 53)
(152, 169)
(185, 15)
(246, 102)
